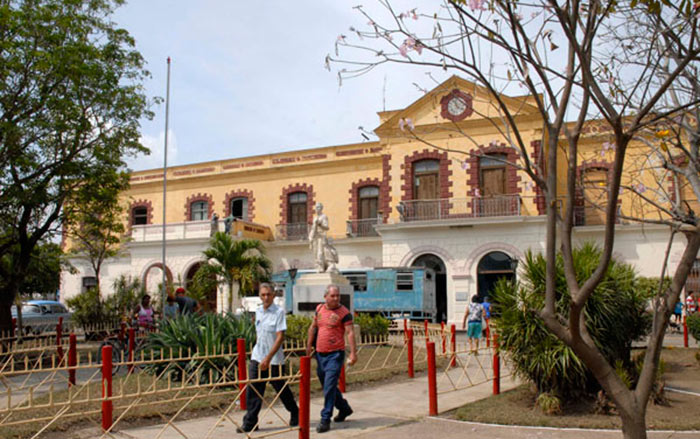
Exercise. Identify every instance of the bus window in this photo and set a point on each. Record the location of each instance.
(404, 281)
(357, 280)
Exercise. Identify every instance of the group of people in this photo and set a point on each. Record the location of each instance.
(332, 322)
(145, 315)
(477, 317)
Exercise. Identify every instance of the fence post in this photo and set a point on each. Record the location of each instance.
(242, 371)
(685, 332)
(488, 333)
(453, 346)
(72, 359)
(106, 387)
(304, 396)
(341, 380)
(425, 325)
(496, 367)
(444, 339)
(132, 346)
(59, 339)
(409, 346)
(432, 380)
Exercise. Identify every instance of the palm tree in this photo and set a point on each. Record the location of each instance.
(230, 261)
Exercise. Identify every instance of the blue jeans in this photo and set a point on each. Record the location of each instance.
(328, 368)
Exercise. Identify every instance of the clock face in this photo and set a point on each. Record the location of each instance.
(456, 105)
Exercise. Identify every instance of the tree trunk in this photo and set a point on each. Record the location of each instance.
(634, 425)
(6, 326)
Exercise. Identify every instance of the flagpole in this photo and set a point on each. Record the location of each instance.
(164, 294)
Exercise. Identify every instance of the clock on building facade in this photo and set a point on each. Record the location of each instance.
(456, 105)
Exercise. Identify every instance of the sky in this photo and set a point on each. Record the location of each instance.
(248, 78)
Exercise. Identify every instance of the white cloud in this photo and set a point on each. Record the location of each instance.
(155, 158)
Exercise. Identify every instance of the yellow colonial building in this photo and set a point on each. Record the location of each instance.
(433, 190)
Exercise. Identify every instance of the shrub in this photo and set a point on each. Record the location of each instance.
(90, 308)
(549, 404)
(372, 325)
(693, 322)
(297, 327)
(205, 334)
(615, 317)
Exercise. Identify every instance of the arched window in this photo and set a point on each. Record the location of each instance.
(139, 215)
(491, 268)
(369, 202)
(199, 210)
(239, 208)
(297, 209)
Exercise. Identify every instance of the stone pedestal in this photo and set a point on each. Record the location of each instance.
(309, 289)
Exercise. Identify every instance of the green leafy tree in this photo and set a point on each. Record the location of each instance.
(234, 262)
(70, 103)
(97, 223)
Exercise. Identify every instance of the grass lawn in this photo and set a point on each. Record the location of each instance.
(517, 407)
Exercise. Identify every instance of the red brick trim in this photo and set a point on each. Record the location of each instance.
(444, 173)
(474, 170)
(539, 162)
(198, 197)
(141, 203)
(354, 199)
(243, 193)
(297, 187)
(168, 273)
(385, 188)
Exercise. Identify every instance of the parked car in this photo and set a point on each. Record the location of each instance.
(42, 315)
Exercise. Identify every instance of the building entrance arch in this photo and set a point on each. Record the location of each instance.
(158, 265)
(434, 262)
(208, 302)
(492, 267)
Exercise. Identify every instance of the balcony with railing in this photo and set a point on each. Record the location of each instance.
(292, 232)
(456, 208)
(173, 231)
(361, 228)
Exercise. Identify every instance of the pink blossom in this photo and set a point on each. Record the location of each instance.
(518, 16)
(477, 5)
(465, 165)
(419, 48)
(611, 80)
(640, 188)
(402, 15)
(409, 122)
(341, 39)
(477, 193)
(403, 50)
(414, 15)
(402, 123)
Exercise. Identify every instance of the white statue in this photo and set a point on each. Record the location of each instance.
(325, 254)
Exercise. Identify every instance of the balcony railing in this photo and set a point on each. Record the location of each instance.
(184, 230)
(455, 208)
(362, 227)
(292, 232)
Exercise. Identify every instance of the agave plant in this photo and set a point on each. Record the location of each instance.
(615, 317)
(201, 346)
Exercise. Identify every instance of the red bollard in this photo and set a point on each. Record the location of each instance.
(444, 339)
(409, 345)
(72, 359)
(432, 381)
(453, 345)
(132, 347)
(106, 387)
(304, 397)
(685, 332)
(59, 339)
(122, 332)
(341, 381)
(496, 367)
(488, 334)
(242, 371)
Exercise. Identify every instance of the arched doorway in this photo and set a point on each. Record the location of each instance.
(152, 279)
(209, 301)
(492, 267)
(435, 263)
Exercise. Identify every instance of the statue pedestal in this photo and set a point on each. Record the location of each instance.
(309, 289)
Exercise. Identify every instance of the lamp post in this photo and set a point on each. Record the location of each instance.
(292, 274)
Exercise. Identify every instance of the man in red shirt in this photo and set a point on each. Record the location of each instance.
(330, 325)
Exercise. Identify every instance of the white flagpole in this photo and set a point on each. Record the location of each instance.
(165, 183)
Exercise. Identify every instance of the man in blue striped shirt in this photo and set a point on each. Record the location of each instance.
(267, 360)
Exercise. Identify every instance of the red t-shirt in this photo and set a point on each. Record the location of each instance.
(331, 323)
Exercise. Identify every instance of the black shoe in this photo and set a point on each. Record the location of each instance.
(340, 417)
(294, 420)
(323, 426)
(246, 429)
